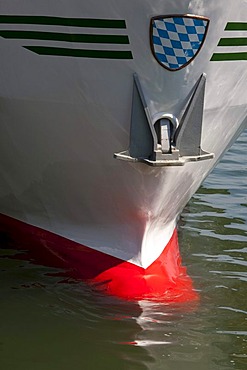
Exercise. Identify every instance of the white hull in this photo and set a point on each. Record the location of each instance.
(63, 118)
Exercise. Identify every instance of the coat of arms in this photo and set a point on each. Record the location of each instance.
(177, 39)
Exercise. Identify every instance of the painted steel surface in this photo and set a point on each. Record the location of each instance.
(65, 106)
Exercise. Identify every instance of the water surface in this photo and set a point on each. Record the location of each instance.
(49, 323)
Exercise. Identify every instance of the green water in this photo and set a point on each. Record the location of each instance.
(46, 324)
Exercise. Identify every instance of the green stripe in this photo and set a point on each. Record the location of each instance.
(236, 26)
(233, 41)
(58, 21)
(69, 37)
(81, 53)
(228, 56)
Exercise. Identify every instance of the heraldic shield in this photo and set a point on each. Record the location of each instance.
(177, 39)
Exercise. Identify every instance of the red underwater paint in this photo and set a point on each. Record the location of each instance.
(164, 280)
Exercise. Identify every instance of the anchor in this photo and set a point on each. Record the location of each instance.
(166, 142)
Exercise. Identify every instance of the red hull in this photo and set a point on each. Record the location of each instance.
(164, 280)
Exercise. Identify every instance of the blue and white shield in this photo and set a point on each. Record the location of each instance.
(176, 40)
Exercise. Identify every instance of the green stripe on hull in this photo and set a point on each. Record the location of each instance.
(219, 57)
(58, 21)
(68, 37)
(236, 26)
(233, 41)
(80, 53)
